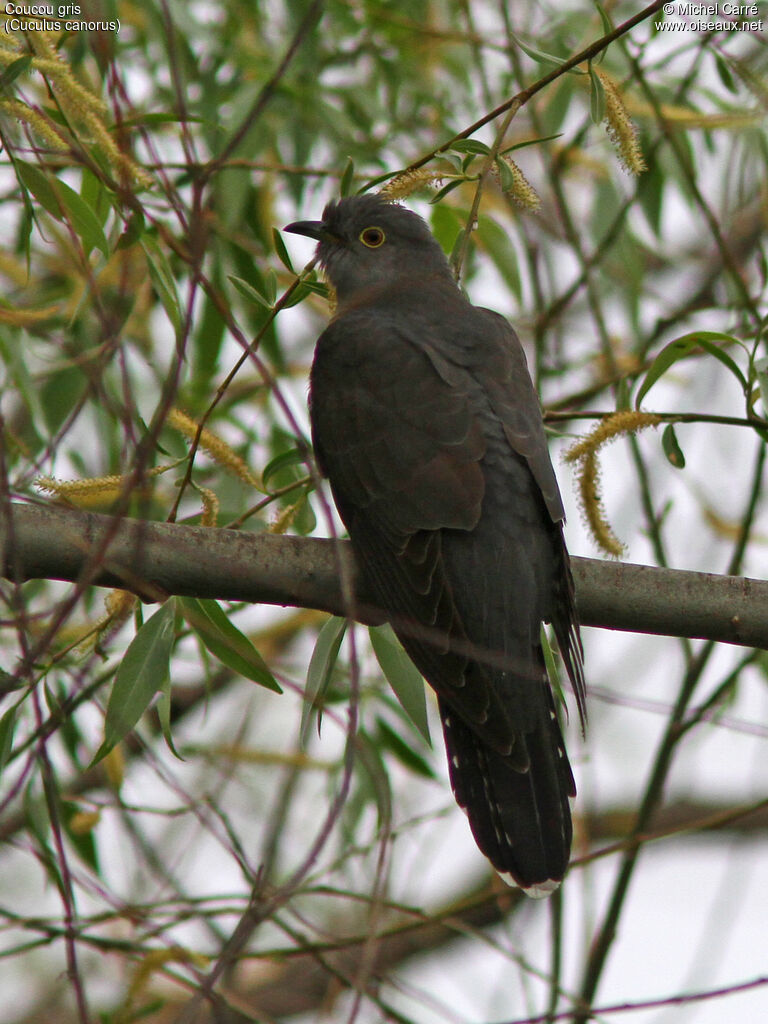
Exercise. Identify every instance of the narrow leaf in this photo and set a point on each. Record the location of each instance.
(538, 55)
(761, 372)
(449, 187)
(607, 28)
(83, 842)
(132, 232)
(530, 142)
(470, 146)
(404, 753)
(293, 457)
(14, 69)
(402, 675)
(162, 279)
(494, 240)
(164, 715)
(596, 98)
(683, 347)
(282, 252)
(7, 729)
(249, 292)
(672, 449)
(723, 71)
(369, 758)
(141, 674)
(347, 178)
(225, 641)
(321, 666)
(64, 204)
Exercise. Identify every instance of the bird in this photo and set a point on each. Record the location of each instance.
(425, 422)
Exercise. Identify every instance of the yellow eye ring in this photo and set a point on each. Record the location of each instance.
(373, 237)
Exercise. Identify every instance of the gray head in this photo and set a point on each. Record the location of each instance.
(366, 242)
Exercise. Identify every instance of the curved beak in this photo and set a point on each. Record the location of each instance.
(311, 228)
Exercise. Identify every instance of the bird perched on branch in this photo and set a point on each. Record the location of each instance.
(426, 423)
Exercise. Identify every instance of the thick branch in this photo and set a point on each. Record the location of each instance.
(156, 559)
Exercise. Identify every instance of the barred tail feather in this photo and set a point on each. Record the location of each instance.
(521, 821)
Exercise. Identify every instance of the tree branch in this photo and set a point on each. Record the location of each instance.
(155, 560)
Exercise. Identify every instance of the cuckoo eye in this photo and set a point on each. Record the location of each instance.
(372, 237)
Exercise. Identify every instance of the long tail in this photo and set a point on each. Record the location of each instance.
(520, 820)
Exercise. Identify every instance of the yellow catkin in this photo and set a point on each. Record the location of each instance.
(113, 764)
(523, 193)
(28, 317)
(621, 130)
(402, 185)
(592, 506)
(285, 517)
(44, 128)
(79, 104)
(14, 269)
(154, 961)
(119, 605)
(92, 490)
(83, 822)
(74, 489)
(682, 117)
(217, 448)
(584, 453)
(618, 423)
(211, 506)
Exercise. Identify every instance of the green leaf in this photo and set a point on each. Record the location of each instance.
(347, 178)
(132, 232)
(449, 187)
(723, 71)
(553, 670)
(402, 675)
(64, 204)
(607, 29)
(596, 97)
(141, 674)
(761, 372)
(303, 289)
(155, 120)
(164, 715)
(225, 641)
(470, 146)
(95, 195)
(506, 177)
(494, 240)
(14, 69)
(650, 192)
(7, 729)
(367, 755)
(531, 142)
(249, 292)
(60, 394)
(538, 55)
(404, 753)
(321, 666)
(282, 252)
(373, 182)
(681, 348)
(162, 280)
(672, 449)
(292, 457)
(83, 842)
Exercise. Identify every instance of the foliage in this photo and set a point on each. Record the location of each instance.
(152, 350)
